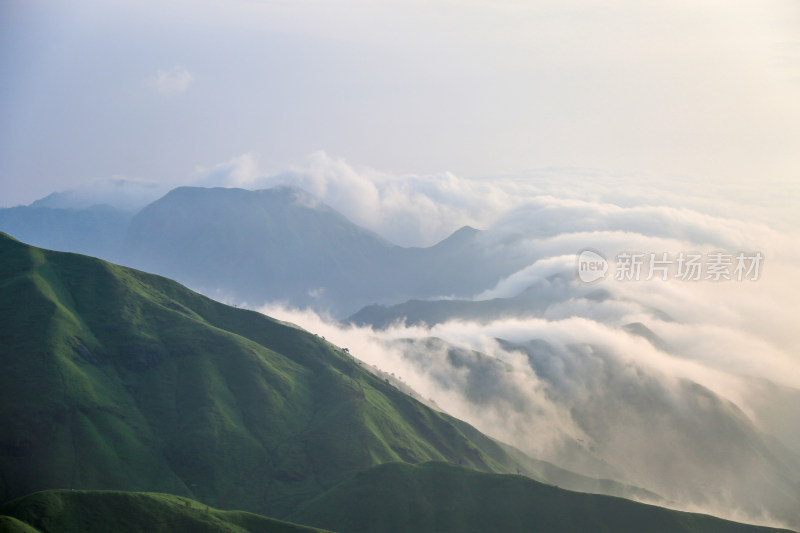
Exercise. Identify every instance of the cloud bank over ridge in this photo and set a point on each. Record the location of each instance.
(661, 383)
(421, 209)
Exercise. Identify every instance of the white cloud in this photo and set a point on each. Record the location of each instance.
(547, 216)
(422, 209)
(173, 81)
(642, 407)
(621, 399)
(118, 191)
(407, 209)
(240, 171)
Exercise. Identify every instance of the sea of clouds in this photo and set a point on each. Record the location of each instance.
(675, 413)
(699, 401)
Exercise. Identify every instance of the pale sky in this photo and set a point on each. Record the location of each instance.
(147, 90)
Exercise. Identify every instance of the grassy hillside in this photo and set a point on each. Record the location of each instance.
(394, 497)
(114, 379)
(117, 379)
(63, 511)
(436, 497)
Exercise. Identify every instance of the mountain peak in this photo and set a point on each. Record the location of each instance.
(280, 194)
(460, 237)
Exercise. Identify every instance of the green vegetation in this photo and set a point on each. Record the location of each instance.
(394, 497)
(115, 379)
(64, 511)
(437, 497)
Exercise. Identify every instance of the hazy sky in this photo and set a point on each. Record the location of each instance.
(153, 90)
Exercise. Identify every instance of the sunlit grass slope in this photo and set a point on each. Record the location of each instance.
(116, 379)
(119, 380)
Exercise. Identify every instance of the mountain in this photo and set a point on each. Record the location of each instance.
(727, 454)
(532, 301)
(394, 497)
(627, 416)
(626, 420)
(117, 379)
(118, 192)
(441, 498)
(279, 244)
(283, 244)
(98, 230)
(65, 511)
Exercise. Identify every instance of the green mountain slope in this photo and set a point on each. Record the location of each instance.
(436, 497)
(387, 498)
(117, 379)
(64, 511)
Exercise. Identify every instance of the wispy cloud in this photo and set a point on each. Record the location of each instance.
(582, 392)
(422, 209)
(673, 415)
(407, 209)
(172, 81)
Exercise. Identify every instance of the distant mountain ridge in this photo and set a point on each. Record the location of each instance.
(279, 244)
(283, 244)
(97, 230)
(275, 244)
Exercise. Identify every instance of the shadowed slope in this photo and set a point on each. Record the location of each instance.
(62, 511)
(435, 497)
